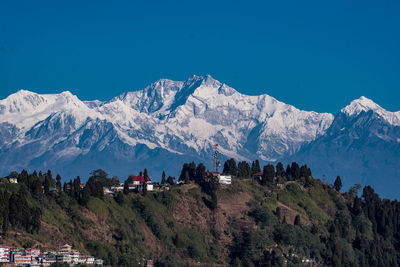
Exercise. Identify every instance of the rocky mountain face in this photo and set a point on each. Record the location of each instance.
(171, 122)
(159, 127)
(362, 146)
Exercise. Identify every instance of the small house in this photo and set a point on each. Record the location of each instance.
(13, 180)
(137, 181)
(225, 179)
(258, 175)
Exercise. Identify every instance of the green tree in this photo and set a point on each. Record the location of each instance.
(268, 175)
(119, 198)
(297, 220)
(46, 186)
(144, 184)
(85, 196)
(337, 184)
(295, 170)
(171, 180)
(230, 167)
(126, 187)
(280, 172)
(58, 183)
(244, 169)
(187, 177)
(255, 167)
(200, 175)
(190, 169)
(163, 181)
(278, 213)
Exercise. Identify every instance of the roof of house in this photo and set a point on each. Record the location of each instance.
(141, 179)
(258, 174)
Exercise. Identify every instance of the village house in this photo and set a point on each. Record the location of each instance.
(35, 258)
(258, 175)
(13, 180)
(4, 254)
(137, 182)
(66, 249)
(19, 257)
(225, 179)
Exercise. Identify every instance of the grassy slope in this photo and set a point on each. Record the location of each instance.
(174, 226)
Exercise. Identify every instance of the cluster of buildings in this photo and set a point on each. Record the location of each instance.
(135, 184)
(34, 257)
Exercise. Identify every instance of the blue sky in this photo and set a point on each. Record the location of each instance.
(316, 55)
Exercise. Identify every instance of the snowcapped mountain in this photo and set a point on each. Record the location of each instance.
(159, 127)
(362, 145)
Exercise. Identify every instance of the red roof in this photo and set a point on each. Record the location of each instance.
(141, 179)
(258, 174)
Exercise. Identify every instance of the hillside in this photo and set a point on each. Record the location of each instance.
(251, 223)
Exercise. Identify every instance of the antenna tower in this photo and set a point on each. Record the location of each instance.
(216, 160)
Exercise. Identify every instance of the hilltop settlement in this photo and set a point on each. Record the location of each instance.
(243, 216)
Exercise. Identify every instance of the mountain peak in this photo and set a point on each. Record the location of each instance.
(364, 104)
(359, 105)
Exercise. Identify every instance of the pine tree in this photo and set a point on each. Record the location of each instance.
(337, 184)
(278, 213)
(295, 170)
(192, 170)
(200, 175)
(244, 169)
(280, 172)
(145, 177)
(58, 183)
(288, 171)
(119, 198)
(77, 188)
(257, 167)
(187, 178)
(46, 186)
(85, 196)
(297, 220)
(230, 167)
(268, 175)
(171, 180)
(126, 188)
(163, 181)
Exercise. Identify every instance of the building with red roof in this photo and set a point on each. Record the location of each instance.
(137, 181)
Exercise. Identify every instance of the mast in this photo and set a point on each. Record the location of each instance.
(216, 160)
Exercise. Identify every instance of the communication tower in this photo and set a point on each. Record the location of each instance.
(216, 160)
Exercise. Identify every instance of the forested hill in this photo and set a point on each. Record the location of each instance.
(281, 219)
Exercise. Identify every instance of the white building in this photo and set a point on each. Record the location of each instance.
(66, 249)
(4, 254)
(225, 179)
(137, 181)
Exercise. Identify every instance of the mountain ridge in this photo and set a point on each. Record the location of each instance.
(179, 120)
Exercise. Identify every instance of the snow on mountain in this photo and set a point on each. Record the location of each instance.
(180, 118)
(364, 104)
(24, 108)
(362, 145)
